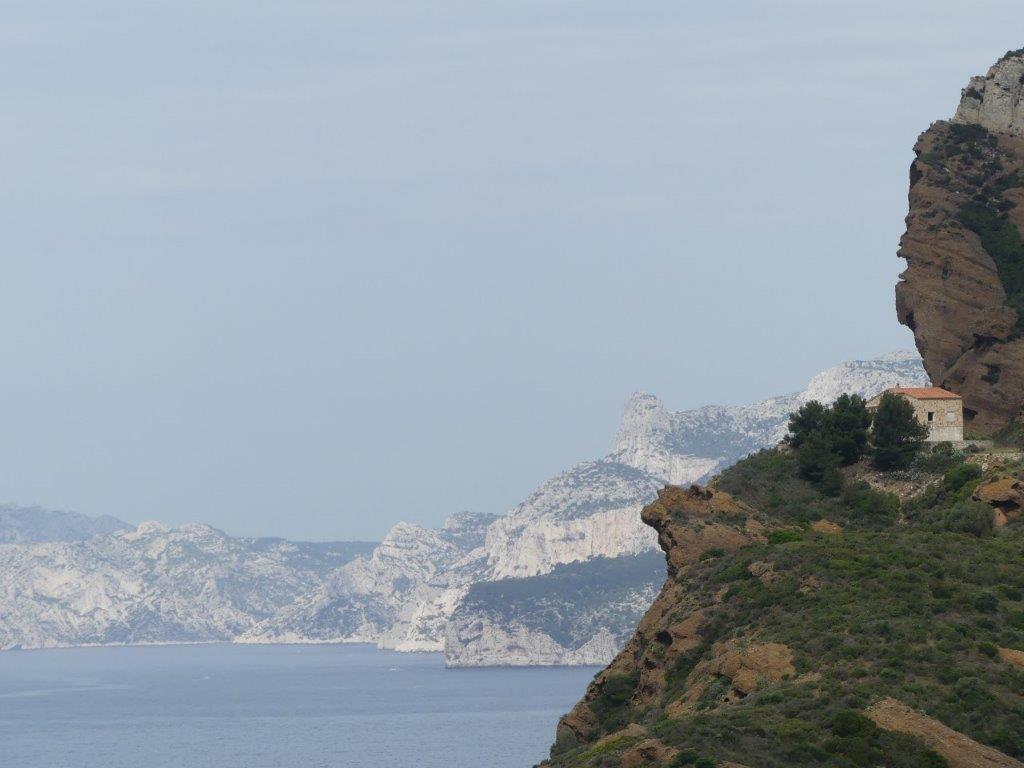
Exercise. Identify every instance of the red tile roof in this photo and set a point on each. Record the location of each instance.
(926, 393)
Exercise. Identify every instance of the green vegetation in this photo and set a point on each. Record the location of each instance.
(939, 459)
(796, 731)
(948, 506)
(611, 706)
(771, 482)
(981, 182)
(896, 435)
(1002, 241)
(589, 594)
(906, 612)
(826, 438)
(1012, 435)
(809, 419)
(839, 431)
(910, 601)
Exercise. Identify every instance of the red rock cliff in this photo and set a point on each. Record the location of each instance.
(962, 293)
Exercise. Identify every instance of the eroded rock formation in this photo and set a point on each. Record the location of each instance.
(689, 522)
(962, 293)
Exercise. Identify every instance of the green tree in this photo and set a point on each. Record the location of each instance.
(846, 425)
(815, 459)
(809, 419)
(896, 434)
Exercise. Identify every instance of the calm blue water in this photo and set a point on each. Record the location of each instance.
(278, 706)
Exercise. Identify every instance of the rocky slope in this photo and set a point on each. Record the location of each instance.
(580, 613)
(963, 290)
(154, 584)
(857, 639)
(400, 596)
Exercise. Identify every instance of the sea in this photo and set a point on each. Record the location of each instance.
(274, 706)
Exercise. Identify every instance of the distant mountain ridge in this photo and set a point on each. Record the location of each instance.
(21, 525)
(690, 446)
(593, 509)
(418, 589)
(154, 584)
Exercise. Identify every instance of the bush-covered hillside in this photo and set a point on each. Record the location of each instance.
(774, 656)
(575, 600)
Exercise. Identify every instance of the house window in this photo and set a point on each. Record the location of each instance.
(931, 415)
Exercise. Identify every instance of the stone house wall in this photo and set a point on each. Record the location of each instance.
(946, 420)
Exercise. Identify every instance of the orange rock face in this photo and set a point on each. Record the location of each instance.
(959, 750)
(1012, 656)
(689, 522)
(960, 293)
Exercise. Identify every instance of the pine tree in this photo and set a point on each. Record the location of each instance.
(896, 434)
(815, 458)
(809, 419)
(846, 427)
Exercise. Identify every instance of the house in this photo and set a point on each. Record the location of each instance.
(939, 409)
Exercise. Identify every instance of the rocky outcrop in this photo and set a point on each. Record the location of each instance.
(959, 750)
(1012, 656)
(590, 510)
(747, 649)
(690, 522)
(962, 293)
(736, 669)
(1005, 495)
(993, 101)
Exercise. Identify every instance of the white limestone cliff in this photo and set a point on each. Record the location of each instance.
(481, 642)
(994, 101)
(156, 584)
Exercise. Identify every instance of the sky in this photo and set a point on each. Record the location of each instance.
(310, 268)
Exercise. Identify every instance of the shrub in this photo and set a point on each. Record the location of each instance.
(869, 508)
(1002, 241)
(973, 517)
(958, 477)
(784, 537)
(940, 459)
(611, 705)
(1011, 435)
(850, 723)
(686, 757)
(986, 602)
(1011, 592)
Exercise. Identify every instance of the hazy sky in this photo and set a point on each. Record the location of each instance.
(308, 268)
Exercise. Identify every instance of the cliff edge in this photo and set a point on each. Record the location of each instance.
(798, 629)
(962, 293)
